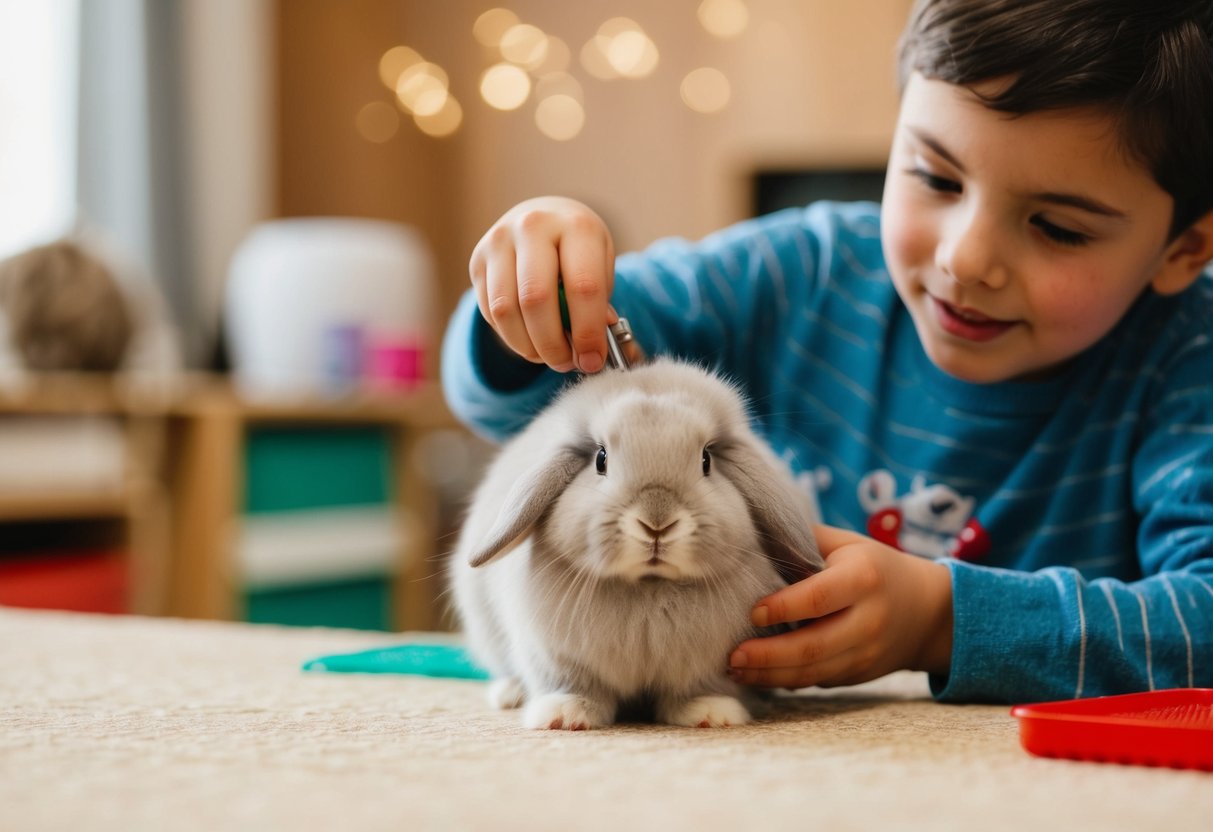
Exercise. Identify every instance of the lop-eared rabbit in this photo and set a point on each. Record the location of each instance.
(615, 547)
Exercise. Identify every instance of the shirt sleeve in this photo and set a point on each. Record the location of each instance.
(1022, 637)
(487, 387)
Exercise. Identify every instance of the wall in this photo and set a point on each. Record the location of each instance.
(813, 85)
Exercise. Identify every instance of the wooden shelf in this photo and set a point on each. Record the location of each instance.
(87, 393)
(84, 393)
(64, 506)
(422, 407)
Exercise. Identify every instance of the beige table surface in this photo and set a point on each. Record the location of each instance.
(153, 724)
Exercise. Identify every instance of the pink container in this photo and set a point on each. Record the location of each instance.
(394, 364)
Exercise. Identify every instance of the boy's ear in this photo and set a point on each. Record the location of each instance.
(1186, 257)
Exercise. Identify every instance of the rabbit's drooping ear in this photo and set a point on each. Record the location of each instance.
(780, 512)
(531, 495)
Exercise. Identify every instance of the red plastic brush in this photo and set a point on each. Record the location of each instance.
(1162, 728)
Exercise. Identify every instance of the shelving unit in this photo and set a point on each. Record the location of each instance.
(182, 496)
(139, 503)
(207, 434)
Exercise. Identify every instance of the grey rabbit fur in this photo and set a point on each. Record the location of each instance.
(615, 547)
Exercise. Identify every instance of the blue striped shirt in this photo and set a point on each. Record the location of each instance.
(1075, 514)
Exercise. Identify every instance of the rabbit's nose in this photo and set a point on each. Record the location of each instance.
(657, 532)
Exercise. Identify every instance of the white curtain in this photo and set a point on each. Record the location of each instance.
(131, 176)
(174, 138)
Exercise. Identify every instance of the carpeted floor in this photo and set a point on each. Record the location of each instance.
(140, 724)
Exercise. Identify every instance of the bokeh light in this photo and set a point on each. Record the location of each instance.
(377, 122)
(525, 45)
(422, 88)
(724, 18)
(560, 117)
(627, 49)
(505, 86)
(557, 58)
(594, 60)
(559, 83)
(490, 26)
(535, 63)
(706, 90)
(617, 26)
(394, 62)
(442, 123)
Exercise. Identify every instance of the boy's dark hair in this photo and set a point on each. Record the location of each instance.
(1148, 63)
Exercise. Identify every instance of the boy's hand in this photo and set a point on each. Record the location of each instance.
(515, 269)
(874, 609)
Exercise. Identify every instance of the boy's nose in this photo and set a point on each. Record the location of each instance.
(968, 252)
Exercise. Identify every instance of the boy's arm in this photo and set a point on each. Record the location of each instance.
(702, 301)
(1053, 635)
(488, 387)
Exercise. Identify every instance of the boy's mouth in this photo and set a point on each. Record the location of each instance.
(968, 324)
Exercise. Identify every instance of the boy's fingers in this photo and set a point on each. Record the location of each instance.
(478, 268)
(843, 665)
(813, 597)
(808, 645)
(586, 289)
(538, 273)
(830, 538)
(504, 314)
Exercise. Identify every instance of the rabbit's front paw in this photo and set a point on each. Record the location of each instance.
(706, 712)
(567, 711)
(506, 694)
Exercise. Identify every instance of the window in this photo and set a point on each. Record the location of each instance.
(38, 84)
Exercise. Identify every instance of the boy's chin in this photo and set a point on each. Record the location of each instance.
(977, 372)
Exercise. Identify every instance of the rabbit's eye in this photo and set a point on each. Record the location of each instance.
(600, 461)
(707, 460)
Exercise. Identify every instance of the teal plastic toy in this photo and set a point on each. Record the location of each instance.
(438, 660)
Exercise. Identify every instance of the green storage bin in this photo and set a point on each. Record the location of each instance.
(294, 468)
(302, 468)
(359, 604)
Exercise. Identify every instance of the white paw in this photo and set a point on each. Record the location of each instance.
(506, 694)
(566, 711)
(707, 712)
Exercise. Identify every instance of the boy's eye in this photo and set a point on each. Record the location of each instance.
(1058, 234)
(935, 183)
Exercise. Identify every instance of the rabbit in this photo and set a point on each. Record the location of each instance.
(613, 551)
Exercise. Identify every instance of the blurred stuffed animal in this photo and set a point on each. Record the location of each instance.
(64, 310)
(76, 305)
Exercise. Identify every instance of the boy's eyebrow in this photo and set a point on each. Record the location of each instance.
(933, 143)
(1073, 200)
(1080, 202)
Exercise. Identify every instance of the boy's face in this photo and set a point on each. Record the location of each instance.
(1016, 243)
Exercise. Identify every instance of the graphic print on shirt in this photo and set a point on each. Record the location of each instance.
(932, 521)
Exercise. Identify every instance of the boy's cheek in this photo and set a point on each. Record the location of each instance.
(906, 237)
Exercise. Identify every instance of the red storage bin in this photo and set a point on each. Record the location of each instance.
(79, 581)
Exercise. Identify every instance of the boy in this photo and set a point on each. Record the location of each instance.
(1005, 369)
